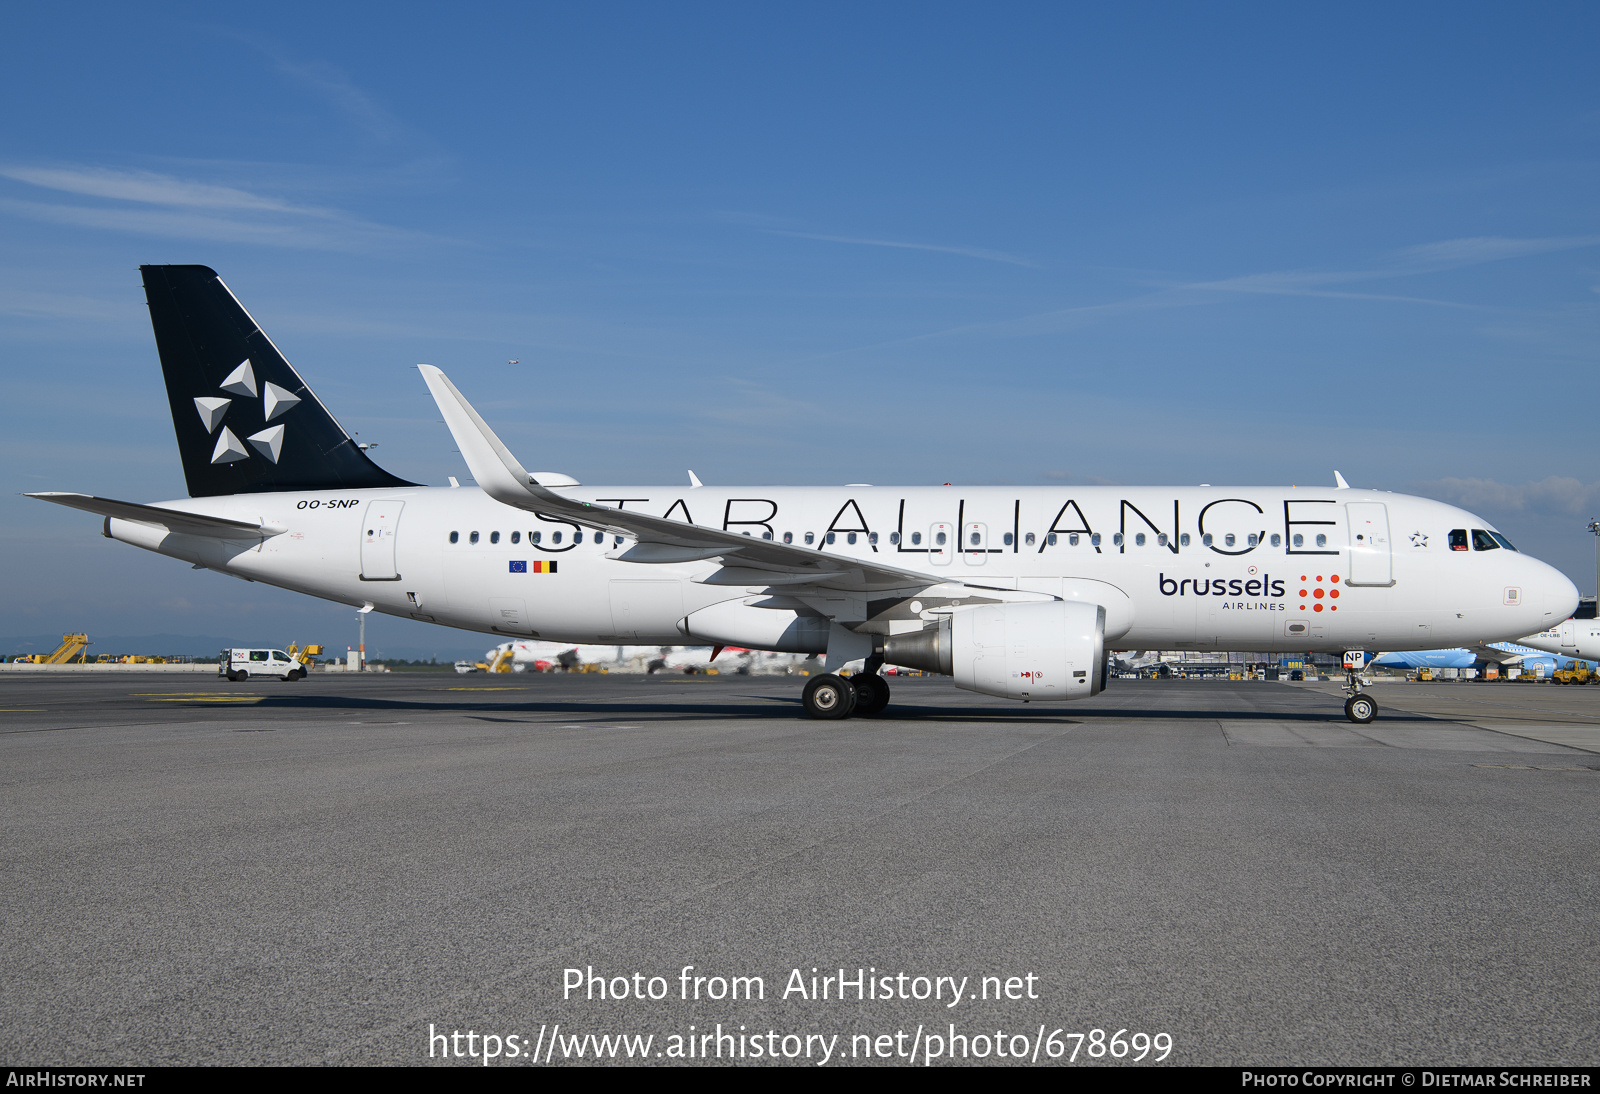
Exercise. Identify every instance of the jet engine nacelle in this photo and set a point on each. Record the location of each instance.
(1039, 651)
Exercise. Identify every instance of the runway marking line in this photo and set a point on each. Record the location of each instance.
(479, 689)
(1535, 767)
(214, 699)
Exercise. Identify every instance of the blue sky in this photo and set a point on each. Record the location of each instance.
(891, 243)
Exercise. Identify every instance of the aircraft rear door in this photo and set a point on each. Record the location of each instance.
(377, 541)
(1371, 560)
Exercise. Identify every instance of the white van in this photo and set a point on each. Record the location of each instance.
(243, 664)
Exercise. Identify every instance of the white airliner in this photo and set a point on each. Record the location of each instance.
(1016, 592)
(1574, 638)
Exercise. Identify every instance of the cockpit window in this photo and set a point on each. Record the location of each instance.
(1586, 609)
(1458, 539)
(1502, 541)
(1483, 541)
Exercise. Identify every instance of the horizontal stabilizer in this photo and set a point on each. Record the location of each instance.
(193, 524)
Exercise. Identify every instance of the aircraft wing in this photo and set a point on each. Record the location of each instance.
(174, 520)
(746, 560)
(1489, 653)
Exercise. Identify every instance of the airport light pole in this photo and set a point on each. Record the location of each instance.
(1594, 526)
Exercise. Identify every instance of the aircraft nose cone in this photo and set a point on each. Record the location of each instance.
(1555, 594)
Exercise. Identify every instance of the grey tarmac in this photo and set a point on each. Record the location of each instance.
(204, 872)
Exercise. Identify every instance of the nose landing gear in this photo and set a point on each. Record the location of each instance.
(1360, 707)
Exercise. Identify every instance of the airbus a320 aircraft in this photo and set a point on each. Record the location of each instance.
(1016, 592)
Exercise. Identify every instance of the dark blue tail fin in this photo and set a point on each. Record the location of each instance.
(245, 420)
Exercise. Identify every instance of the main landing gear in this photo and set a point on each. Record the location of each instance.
(833, 697)
(1360, 708)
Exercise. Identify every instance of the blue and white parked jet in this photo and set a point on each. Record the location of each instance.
(1510, 654)
(1016, 592)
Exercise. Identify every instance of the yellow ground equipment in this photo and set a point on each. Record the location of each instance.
(73, 647)
(1424, 675)
(1573, 673)
(500, 662)
(306, 655)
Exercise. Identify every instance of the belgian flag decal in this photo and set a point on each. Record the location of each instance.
(518, 566)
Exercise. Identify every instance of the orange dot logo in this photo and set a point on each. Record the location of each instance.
(1334, 579)
(1317, 608)
(1334, 593)
(1317, 594)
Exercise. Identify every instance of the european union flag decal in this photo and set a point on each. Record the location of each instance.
(518, 566)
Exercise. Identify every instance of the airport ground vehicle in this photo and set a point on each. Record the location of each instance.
(1016, 592)
(243, 663)
(1573, 672)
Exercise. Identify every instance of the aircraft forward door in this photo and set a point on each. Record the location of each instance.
(377, 541)
(1371, 557)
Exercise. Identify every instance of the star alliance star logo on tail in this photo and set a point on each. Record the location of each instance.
(274, 402)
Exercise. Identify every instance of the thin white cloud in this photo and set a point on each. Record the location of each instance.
(1451, 254)
(216, 229)
(1555, 494)
(147, 203)
(149, 188)
(965, 252)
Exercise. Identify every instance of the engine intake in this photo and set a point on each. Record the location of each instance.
(1038, 651)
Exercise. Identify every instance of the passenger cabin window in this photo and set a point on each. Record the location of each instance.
(455, 537)
(850, 539)
(1138, 539)
(1094, 539)
(1458, 539)
(939, 539)
(1277, 540)
(516, 537)
(1227, 540)
(1299, 540)
(766, 535)
(1183, 540)
(577, 537)
(474, 538)
(1072, 540)
(494, 537)
(975, 538)
(1008, 539)
(1206, 539)
(1253, 540)
(1161, 540)
(894, 538)
(555, 537)
(788, 537)
(916, 538)
(872, 538)
(534, 537)
(1116, 539)
(1028, 539)
(809, 537)
(1322, 540)
(1483, 541)
(832, 538)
